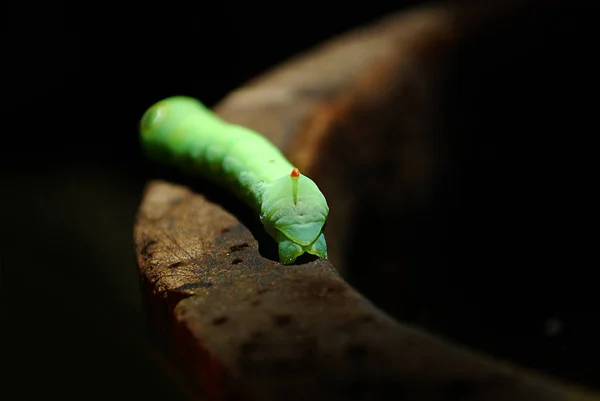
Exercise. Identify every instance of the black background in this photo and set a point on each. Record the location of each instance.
(76, 81)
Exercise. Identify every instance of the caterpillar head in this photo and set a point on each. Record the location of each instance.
(294, 213)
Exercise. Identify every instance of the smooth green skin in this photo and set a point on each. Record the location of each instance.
(181, 131)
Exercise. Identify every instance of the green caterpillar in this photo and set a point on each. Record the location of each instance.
(181, 131)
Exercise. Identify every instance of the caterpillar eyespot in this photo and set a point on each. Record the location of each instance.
(181, 131)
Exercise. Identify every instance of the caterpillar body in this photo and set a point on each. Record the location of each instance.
(182, 132)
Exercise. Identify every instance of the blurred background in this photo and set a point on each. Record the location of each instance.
(76, 80)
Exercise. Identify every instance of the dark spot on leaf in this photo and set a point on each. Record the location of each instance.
(356, 351)
(256, 302)
(334, 288)
(220, 320)
(236, 261)
(262, 290)
(248, 347)
(365, 319)
(282, 320)
(225, 230)
(194, 285)
(239, 247)
(177, 264)
(176, 201)
(257, 335)
(146, 249)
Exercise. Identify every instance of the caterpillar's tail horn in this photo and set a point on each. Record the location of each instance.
(295, 174)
